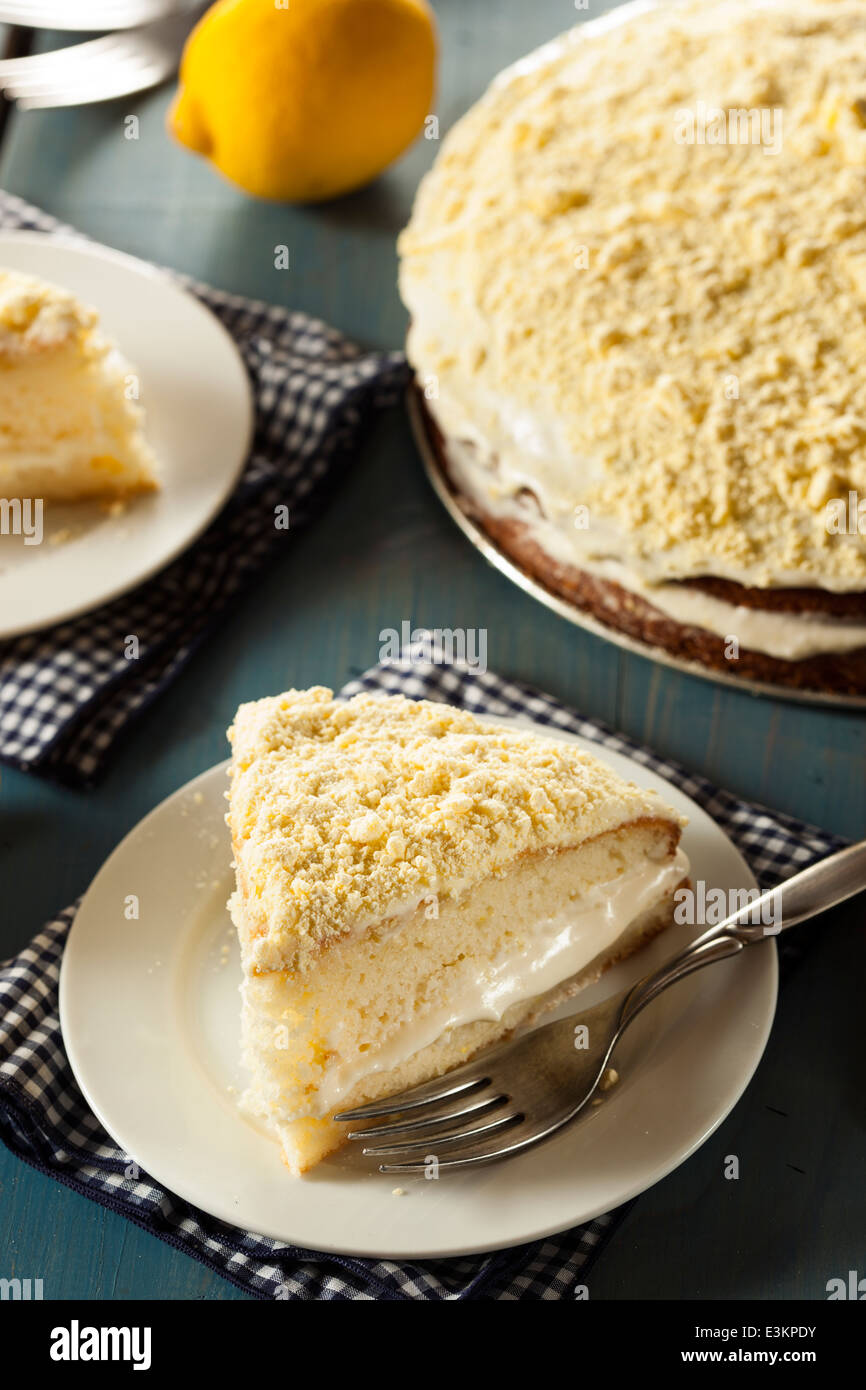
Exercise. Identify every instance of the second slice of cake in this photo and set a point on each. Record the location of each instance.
(71, 427)
(413, 883)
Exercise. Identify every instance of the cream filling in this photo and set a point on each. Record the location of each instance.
(786, 636)
(558, 947)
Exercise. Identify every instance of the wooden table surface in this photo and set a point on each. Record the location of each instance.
(386, 552)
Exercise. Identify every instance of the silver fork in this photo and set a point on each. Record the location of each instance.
(515, 1095)
(98, 70)
(86, 14)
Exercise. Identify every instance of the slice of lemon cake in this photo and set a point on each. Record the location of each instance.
(70, 423)
(413, 883)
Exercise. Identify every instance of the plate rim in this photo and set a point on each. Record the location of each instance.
(70, 241)
(223, 1212)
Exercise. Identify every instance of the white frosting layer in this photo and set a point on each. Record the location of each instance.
(494, 480)
(561, 945)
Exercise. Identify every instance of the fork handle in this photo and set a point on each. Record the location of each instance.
(701, 952)
(806, 894)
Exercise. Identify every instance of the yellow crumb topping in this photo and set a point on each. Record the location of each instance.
(650, 246)
(344, 812)
(36, 317)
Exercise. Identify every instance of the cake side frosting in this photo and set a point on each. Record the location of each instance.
(667, 331)
(343, 812)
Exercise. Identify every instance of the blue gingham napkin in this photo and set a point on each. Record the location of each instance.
(68, 693)
(45, 1120)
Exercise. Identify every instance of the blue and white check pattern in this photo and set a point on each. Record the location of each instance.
(68, 693)
(44, 1118)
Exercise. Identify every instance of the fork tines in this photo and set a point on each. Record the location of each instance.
(86, 14)
(450, 1107)
(112, 66)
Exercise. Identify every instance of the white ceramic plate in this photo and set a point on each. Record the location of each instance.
(198, 404)
(150, 1017)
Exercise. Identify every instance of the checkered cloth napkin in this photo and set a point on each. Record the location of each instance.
(68, 693)
(45, 1120)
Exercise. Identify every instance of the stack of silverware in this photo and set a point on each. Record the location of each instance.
(139, 46)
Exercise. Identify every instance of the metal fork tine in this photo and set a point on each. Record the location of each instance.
(517, 1139)
(465, 1136)
(84, 95)
(483, 1107)
(114, 70)
(99, 14)
(113, 66)
(416, 1167)
(445, 1088)
(65, 81)
(79, 53)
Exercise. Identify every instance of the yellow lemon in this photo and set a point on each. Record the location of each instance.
(300, 100)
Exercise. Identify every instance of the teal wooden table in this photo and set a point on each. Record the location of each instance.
(385, 552)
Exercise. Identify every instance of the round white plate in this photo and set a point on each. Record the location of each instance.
(150, 1015)
(199, 415)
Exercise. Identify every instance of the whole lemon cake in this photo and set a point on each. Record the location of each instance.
(636, 276)
(70, 427)
(412, 884)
